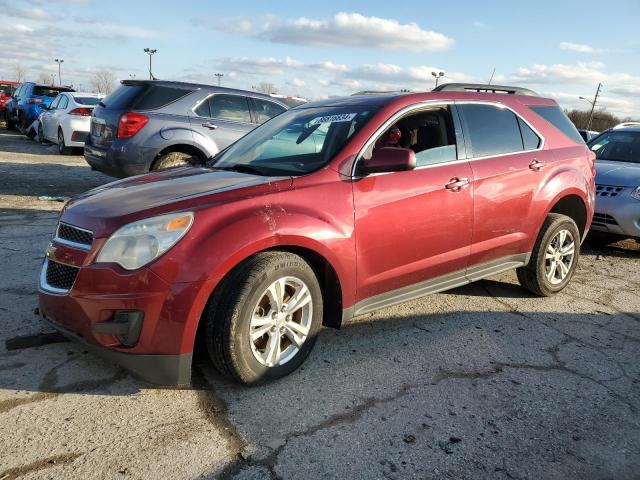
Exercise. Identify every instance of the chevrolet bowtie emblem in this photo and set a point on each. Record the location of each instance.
(50, 250)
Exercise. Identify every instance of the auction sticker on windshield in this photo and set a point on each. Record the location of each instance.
(341, 117)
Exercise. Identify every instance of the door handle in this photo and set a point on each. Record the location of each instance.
(536, 164)
(455, 184)
(209, 125)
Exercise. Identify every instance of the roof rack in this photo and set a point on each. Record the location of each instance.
(380, 92)
(480, 88)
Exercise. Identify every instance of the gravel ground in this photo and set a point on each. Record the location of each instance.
(484, 381)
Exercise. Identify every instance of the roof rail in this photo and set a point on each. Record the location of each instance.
(481, 88)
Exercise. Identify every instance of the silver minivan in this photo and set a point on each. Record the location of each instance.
(147, 125)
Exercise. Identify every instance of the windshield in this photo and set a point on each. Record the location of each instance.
(618, 146)
(295, 142)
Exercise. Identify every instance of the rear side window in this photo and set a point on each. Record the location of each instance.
(64, 101)
(142, 97)
(157, 96)
(266, 110)
(558, 119)
(230, 107)
(491, 130)
(530, 139)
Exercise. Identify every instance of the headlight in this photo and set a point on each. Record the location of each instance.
(138, 243)
(636, 193)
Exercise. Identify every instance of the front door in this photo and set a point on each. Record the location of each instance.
(223, 118)
(413, 226)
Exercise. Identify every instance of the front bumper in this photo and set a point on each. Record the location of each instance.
(86, 308)
(619, 215)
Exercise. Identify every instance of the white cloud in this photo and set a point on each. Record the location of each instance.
(578, 47)
(343, 29)
(580, 73)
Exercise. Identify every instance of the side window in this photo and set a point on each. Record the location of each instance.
(430, 134)
(55, 103)
(230, 107)
(530, 139)
(202, 110)
(558, 119)
(491, 130)
(64, 101)
(266, 110)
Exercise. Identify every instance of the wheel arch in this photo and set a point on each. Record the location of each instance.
(181, 148)
(327, 275)
(574, 207)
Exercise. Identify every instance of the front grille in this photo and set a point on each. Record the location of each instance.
(608, 190)
(60, 276)
(603, 219)
(74, 235)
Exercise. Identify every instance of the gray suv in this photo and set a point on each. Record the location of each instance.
(149, 125)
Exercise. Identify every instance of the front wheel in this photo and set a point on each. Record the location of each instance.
(263, 320)
(554, 257)
(174, 160)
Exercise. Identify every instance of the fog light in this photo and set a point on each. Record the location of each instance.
(125, 326)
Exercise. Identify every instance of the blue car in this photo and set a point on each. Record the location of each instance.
(617, 212)
(28, 102)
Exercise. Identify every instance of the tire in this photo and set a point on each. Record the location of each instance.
(174, 160)
(243, 299)
(539, 276)
(62, 147)
(9, 125)
(40, 135)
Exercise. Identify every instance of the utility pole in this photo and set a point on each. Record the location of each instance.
(491, 77)
(438, 76)
(219, 75)
(59, 61)
(150, 52)
(593, 105)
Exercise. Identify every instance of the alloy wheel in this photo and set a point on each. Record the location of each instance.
(281, 321)
(559, 257)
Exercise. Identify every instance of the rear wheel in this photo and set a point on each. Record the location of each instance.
(8, 123)
(263, 320)
(62, 147)
(41, 134)
(173, 160)
(554, 257)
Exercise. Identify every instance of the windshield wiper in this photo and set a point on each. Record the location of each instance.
(242, 168)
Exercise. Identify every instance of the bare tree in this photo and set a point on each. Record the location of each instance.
(103, 81)
(601, 119)
(266, 87)
(44, 78)
(19, 72)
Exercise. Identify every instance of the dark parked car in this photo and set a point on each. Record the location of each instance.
(331, 210)
(28, 102)
(149, 125)
(7, 88)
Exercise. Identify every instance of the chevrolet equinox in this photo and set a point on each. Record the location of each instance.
(328, 211)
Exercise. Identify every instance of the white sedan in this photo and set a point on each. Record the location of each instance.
(67, 120)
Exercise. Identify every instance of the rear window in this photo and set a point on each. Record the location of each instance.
(87, 100)
(142, 97)
(558, 119)
(47, 92)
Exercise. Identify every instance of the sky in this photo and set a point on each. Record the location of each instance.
(561, 48)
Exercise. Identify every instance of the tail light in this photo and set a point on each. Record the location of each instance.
(131, 123)
(34, 100)
(83, 112)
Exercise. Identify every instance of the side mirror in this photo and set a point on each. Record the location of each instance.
(389, 159)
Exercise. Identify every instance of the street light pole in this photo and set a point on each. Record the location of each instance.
(438, 76)
(150, 52)
(593, 105)
(59, 61)
(219, 75)
(53, 79)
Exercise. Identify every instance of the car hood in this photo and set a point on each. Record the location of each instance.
(621, 174)
(156, 193)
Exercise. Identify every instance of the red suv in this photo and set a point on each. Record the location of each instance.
(328, 211)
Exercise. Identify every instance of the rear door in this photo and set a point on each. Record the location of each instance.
(264, 110)
(47, 118)
(223, 117)
(506, 158)
(58, 114)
